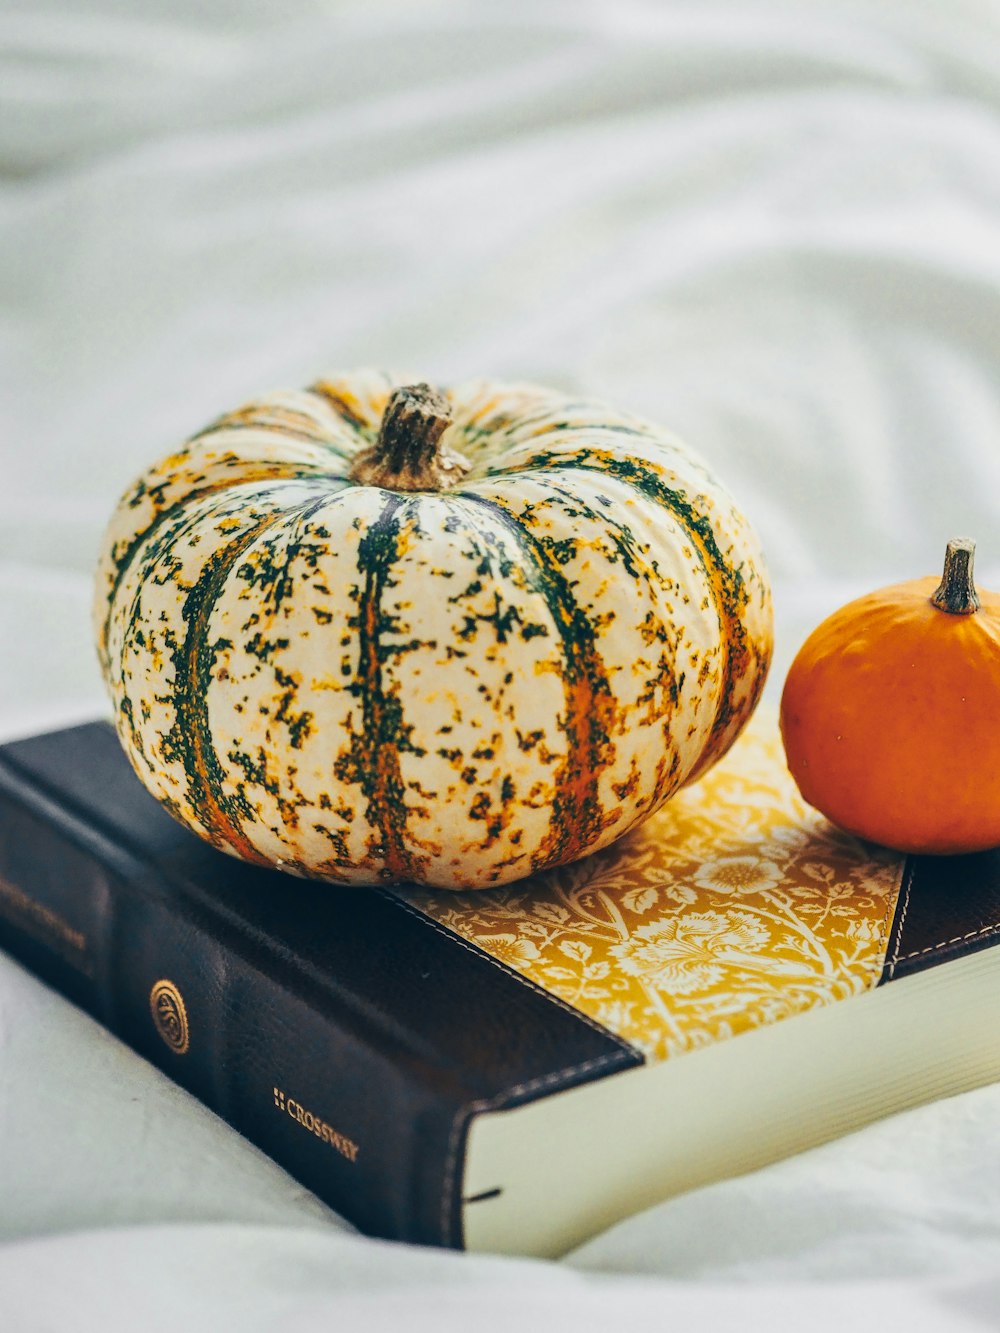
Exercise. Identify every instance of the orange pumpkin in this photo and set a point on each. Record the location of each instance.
(890, 714)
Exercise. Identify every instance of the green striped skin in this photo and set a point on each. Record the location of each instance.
(458, 688)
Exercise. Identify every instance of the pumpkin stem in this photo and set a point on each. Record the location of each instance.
(956, 592)
(408, 454)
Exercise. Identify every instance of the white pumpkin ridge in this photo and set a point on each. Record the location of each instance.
(459, 687)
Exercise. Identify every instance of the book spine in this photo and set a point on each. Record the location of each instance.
(316, 1086)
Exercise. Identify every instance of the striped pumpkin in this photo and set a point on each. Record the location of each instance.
(373, 633)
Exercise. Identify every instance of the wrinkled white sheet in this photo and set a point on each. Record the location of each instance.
(774, 226)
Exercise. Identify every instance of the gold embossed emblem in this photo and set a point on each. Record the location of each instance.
(166, 1004)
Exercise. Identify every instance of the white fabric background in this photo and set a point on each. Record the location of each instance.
(775, 227)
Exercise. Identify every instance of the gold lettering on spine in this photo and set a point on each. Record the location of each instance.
(347, 1148)
(46, 925)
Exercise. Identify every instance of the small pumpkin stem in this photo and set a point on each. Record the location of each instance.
(408, 454)
(956, 592)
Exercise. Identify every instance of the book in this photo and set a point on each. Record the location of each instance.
(514, 1070)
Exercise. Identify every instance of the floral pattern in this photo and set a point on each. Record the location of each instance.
(737, 905)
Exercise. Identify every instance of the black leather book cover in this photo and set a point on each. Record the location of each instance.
(339, 1030)
(354, 1034)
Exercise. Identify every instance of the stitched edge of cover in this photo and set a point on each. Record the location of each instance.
(956, 939)
(466, 1113)
(908, 870)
